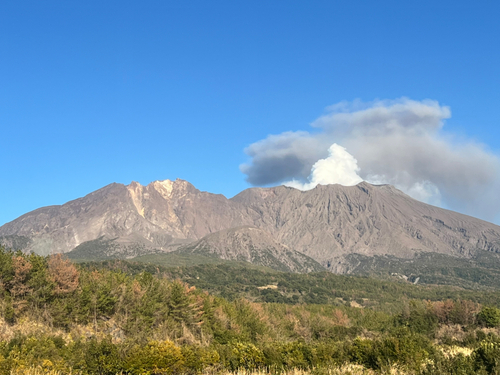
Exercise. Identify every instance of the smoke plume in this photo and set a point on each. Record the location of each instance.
(400, 142)
(339, 167)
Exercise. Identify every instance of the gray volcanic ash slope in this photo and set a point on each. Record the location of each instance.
(157, 215)
(331, 221)
(326, 223)
(254, 246)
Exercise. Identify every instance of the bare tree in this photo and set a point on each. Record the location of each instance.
(63, 273)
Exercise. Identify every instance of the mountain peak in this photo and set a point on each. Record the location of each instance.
(326, 223)
(168, 188)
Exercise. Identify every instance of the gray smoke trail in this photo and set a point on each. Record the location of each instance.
(402, 142)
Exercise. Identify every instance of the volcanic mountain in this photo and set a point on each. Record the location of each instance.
(327, 223)
(252, 245)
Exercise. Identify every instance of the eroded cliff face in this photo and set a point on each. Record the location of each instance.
(331, 221)
(184, 212)
(160, 215)
(325, 223)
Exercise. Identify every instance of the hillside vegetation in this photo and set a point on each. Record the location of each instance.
(233, 280)
(95, 319)
(481, 271)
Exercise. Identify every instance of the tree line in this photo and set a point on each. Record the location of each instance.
(59, 316)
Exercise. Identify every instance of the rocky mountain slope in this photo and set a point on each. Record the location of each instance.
(329, 222)
(326, 223)
(159, 215)
(254, 246)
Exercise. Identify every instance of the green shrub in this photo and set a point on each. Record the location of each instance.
(487, 356)
(157, 357)
(8, 310)
(419, 317)
(489, 317)
(246, 355)
(197, 358)
(404, 348)
(362, 352)
(455, 365)
(41, 351)
(102, 357)
(331, 353)
(296, 355)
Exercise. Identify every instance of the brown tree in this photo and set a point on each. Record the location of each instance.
(22, 268)
(63, 273)
(443, 310)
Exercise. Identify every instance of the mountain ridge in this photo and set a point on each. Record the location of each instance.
(326, 223)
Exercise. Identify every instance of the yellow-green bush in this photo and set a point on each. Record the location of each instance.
(155, 358)
(246, 355)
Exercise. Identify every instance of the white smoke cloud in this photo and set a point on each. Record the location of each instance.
(401, 142)
(339, 167)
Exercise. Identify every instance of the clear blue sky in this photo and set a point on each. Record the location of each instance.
(94, 92)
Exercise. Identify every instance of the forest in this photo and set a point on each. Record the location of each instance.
(118, 317)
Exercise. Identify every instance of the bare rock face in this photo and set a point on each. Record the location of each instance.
(329, 222)
(182, 211)
(61, 228)
(326, 223)
(160, 215)
(252, 245)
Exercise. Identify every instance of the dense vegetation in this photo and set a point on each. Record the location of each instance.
(97, 319)
(482, 271)
(258, 284)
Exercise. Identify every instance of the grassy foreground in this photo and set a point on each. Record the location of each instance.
(344, 370)
(59, 318)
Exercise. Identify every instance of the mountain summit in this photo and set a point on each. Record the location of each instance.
(326, 223)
